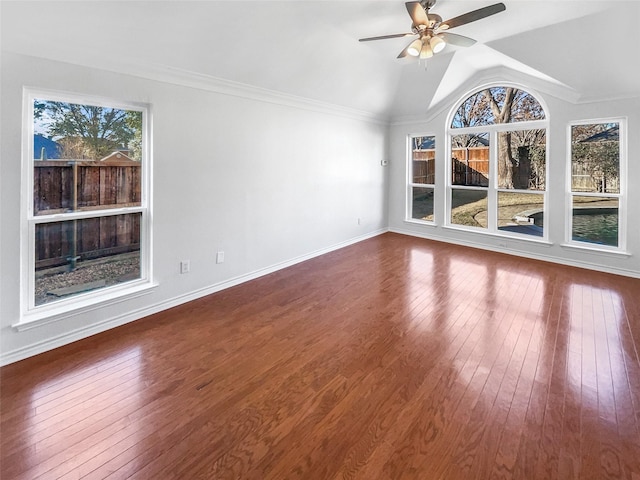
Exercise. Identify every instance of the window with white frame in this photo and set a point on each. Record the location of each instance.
(86, 201)
(422, 160)
(596, 184)
(497, 152)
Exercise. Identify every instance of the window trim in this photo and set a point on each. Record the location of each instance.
(621, 248)
(410, 184)
(492, 189)
(31, 314)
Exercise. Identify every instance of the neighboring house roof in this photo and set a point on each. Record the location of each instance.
(609, 135)
(117, 156)
(481, 140)
(51, 148)
(427, 143)
(472, 140)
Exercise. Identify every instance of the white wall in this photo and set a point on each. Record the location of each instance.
(268, 179)
(560, 113)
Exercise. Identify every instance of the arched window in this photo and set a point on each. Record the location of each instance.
(498, 150)
(497, 105)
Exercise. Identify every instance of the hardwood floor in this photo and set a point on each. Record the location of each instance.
(393, 358)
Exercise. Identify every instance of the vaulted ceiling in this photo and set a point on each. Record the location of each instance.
(580, 50)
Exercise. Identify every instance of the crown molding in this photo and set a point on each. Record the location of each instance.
(608, 98)
(186, 78)
(223, 86)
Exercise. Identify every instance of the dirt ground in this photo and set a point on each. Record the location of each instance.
(113, 270)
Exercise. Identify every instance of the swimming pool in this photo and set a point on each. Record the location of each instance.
(591, 224)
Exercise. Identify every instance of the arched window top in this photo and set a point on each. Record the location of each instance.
(494, 105)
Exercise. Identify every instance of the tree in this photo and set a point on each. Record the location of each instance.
(501, 103)
(473, 112)
(595, 149)
(530, 153)
(134, 122)
(520, 156)
(88, 131)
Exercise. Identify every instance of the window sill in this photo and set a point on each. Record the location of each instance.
(52, 313)
(594, 249)
(415, 221)
(498, 235)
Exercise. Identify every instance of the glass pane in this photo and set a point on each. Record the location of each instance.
(497, 105)
(470, 160)
(469, 207)
(86, 157)
(422, 204)
(423, 160)
(595, 220)
(77, 256)
(522, 159)
(521, 213)
(595, 158)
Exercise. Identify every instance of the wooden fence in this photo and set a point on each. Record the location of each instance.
(424, 166)
(584, 179)
(98, 185)
(66, 186)
(57, 243)
(470, 166)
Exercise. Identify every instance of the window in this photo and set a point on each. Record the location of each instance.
(497, 151)
(596, 195)
(469, 179)
(86, 204)
(422, 177)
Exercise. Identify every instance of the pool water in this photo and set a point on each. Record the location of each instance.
(599, 228)
(593, 225)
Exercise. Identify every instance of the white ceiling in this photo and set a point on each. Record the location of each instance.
(581, 50)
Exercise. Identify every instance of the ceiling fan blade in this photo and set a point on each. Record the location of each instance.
(383, 37)
(417, 13)
(473, 16)
(454, 39)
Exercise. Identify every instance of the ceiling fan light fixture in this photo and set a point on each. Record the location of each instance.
(437, 44)
(415, 48)
(426, 51)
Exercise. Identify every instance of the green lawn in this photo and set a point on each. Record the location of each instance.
(470, 207)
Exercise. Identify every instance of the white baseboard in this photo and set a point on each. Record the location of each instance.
(84, 332)
(520, 253)
(78, 334)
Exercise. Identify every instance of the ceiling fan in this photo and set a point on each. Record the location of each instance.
(433, 34)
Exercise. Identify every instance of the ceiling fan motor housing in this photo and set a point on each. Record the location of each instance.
(427, 4)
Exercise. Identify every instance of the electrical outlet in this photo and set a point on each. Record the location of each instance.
(220, 257)
(359, 220)
(185, 266)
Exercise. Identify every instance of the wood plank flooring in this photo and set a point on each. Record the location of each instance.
(396, 358)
